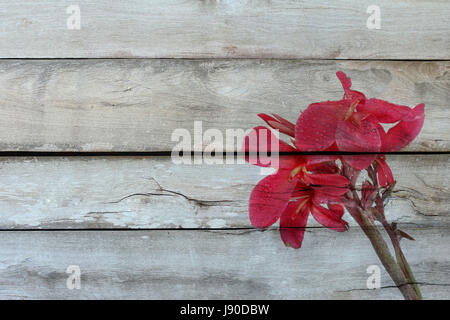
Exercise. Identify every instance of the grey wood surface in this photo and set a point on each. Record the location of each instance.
(227, 264)
(152, 192)
(199, 243)
(232, 28)
(135, 105)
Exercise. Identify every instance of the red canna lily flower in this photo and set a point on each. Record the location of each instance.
(322, 186)
(354, 124)
(278, 197)
(294, 218)
(315, 184)
(299, 187)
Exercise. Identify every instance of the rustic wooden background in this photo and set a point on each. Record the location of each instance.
(142, 227)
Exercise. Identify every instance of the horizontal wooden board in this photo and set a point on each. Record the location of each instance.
(198, 264)
(232, 28)
(135, 105)
(152, 192)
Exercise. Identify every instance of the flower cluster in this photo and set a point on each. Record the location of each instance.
(318, 184)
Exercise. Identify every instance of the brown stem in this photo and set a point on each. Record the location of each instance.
(366, 222)
(388, 261)
(401, 259)
(390, 230)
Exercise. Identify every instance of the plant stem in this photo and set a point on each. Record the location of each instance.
(388, 261)
(399, 270)
(401, 259)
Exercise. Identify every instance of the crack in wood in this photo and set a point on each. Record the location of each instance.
(170, 193)
(394, 286)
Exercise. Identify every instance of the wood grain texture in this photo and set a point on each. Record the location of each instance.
(197, 264)
(232, 28)
(152, 192)
(135, 105)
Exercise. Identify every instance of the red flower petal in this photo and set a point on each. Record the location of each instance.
(337, 209)
(327, 218)
(327, 194)
(284, 121)
(362, 137)
(316, 127)
(358, 137)
(269, 198)
(345, 81)
(383, 111)
(279, 123)
(382, 134)
(325, 179)
(321, 164)
(293, 223)
(259, 142)
(359, 162)
(406, 130)
(346, 84)
(385, 176)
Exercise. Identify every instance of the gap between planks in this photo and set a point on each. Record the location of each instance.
(192, 153)
(231, 59)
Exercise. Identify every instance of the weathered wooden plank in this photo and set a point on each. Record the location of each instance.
(232, 28)
(135, 105)
(152, 192)
(211, 264)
